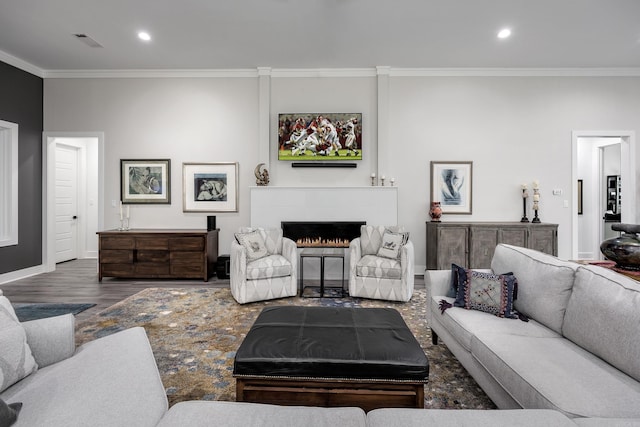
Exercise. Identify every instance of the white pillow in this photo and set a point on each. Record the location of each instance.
(253, 243)
(16, 360)
(392, 243)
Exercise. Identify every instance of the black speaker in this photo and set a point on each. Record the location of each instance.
(211, 223)
(223, 267)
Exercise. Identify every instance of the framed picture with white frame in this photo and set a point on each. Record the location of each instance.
(210, 187)
(451, 185)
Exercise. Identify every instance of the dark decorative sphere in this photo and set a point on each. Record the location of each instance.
(625, 249)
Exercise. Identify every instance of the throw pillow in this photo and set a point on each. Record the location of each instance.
(9, 413)
(254, 244)
(391, 244)
(16, 360)
(453, 285)
(488, 292)
(371, 237)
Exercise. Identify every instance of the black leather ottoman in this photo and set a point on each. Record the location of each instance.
(330, 356)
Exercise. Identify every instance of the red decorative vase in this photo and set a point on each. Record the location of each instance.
(435, 212)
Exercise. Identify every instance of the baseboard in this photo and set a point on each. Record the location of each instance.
(21, 274)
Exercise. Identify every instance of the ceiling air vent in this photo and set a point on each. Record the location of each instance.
(87, 40)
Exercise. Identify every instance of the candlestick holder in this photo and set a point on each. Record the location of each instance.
(535, 219)
(524, 207)
(124, 224)
(382, 181)
(373, 180)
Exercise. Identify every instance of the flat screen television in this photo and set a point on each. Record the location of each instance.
(319, 137)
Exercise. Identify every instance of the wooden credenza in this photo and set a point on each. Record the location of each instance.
(472, 244)
(158, 254)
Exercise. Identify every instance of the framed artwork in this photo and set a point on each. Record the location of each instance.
(579, 197)
(210, 187)
(451, 185)
(145, 181)
(320, 137)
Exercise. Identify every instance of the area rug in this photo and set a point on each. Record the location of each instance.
(194, 334)
(29, 311)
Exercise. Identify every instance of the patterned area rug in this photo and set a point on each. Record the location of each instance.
(194, 334)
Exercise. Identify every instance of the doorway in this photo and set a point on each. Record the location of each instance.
(73, 168)
(597, 156)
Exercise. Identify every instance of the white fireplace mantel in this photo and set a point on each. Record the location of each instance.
(375, 205)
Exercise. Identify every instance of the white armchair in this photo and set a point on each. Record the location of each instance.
(263, 272)
(378, 274)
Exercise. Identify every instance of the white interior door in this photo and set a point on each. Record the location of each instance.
(66, 203)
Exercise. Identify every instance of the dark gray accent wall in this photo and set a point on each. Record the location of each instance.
(21, 102)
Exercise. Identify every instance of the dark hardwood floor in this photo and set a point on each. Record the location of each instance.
(77, 282)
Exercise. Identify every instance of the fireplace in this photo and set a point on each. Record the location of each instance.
(323, 234)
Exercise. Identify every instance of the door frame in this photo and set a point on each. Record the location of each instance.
(49, 190)
(627, 172)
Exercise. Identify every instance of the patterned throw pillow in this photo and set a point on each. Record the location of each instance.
(391, 244)
(488, 292)
(371, 237)
(16, 360)
(254, 244)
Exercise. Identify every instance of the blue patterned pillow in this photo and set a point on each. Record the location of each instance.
(488, 292)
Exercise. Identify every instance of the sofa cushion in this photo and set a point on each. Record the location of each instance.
(464, 324)
(253, 243)
(16, 359)
(603, 317)
(391, 417)
(205, 414)
(488, 292)
(111, 381)
(555, 373)
(268, 267)
(392, 244)
(379, 267)
(544, 282)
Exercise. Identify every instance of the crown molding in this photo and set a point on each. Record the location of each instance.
(323, 72)
(117, 74)
(19, 63)
(515, 72)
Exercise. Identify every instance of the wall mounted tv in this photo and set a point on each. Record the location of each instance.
(319, 137)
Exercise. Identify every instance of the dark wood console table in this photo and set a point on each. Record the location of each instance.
(158, 254)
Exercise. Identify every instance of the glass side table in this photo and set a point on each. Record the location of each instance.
(322, 254)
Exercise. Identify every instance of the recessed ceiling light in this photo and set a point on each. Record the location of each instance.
(143, 35)
(504, 33)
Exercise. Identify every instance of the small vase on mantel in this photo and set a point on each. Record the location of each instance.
(435, 212)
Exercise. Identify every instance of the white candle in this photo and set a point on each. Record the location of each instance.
(128, 211)
(393, 180)
(373, 175)
(120, 210)
(524, 186)
(535, 184)
(382, 177)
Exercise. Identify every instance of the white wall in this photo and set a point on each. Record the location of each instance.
(514, 129)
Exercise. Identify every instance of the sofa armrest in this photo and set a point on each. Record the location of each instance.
(238, 264)
(355, 254)
(52, 339)
(290, 252)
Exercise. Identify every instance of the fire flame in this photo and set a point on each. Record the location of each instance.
(318, 242)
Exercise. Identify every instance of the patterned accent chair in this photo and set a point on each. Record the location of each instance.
(380, 277)
(268, 277)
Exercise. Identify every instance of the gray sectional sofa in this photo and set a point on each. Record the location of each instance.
(579, 353)
(114, 380)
